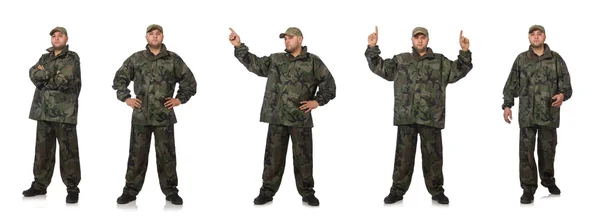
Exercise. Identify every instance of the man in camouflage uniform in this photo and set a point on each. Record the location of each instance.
(420, 80)
(292, 80)
(154, 71)
(541, 80)
(57, 80)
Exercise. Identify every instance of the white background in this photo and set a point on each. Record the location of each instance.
(220, 141)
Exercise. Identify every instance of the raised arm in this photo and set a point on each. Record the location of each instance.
(387, 68)
(254, 64)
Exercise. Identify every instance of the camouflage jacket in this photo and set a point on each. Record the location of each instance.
(290, 80)
(56, 96)
(535, 80)
(419, 83)
(154, 78)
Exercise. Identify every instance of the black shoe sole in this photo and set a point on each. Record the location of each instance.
(309, 203)
(526, 201)
(392, 201)
(33, 195)
(125, 202)
(442, 202)
(263, 202)
(175, 203)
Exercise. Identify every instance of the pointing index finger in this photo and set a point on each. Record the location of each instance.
(231, 30)
(461, 33)
(376, 30)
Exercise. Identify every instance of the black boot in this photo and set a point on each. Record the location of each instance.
(125, 198)
(262, 199)
(527, 198)
(392, 198)
(175, 199)
(32, 191)
(72, 197)
(311, 200)
(554, 189)
(441, 198)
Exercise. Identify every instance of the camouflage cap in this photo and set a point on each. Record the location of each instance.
(537, 27)
(154, 27)
(293, 31)
(420, 30)
(59, 29)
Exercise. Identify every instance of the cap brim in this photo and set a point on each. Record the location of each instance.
(534, 29)
(282, 35)
(419, 32)
(154, 28)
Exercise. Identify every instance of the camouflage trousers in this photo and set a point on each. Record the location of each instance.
(546, 150)
(47, 134)
(432, 159)
(275, 155)
(137, 164)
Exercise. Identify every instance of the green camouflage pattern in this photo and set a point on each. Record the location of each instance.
(154, 80)
(546, 151)
(431, 150)
(45, 154)
(275, 157)
(535, 80)
(290, 80)
(419, 83)
(166, 161)
(59, 29)
(292, 31)
(57, 87)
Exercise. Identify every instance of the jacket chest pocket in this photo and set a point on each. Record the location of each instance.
(303, 72)
(288, 72)
(550, 70)
(165, 72)
(431, 66)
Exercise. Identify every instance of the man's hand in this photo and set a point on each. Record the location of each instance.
(558, 100)
(507, 115)
(40, 67)
(234, 38)
(172, 102)
(373, 38)
(464, 42)
(134, 103)
(309, 105)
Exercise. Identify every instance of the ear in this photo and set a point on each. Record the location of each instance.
(300, 39)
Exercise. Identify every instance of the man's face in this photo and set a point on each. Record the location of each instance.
(292, 43)
(59, 40)
(420, 42)
(537, 38)
(154, 38)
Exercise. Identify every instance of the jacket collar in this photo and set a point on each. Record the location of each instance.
(302, 54)
(428, 54)
(163, 52)
(547, 53)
